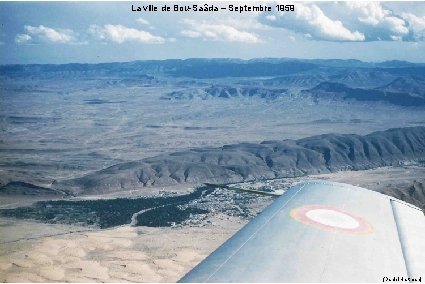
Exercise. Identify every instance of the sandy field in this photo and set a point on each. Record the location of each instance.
(122, 254)
(37, 252)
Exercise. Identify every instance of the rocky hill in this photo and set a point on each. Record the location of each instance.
(332, 91)
(413, 85)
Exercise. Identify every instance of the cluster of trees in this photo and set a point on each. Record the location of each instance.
(106, 213)
(167, 215)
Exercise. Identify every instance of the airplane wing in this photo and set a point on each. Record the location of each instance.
(321, 231)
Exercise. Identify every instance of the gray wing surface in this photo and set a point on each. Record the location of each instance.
(322, 231)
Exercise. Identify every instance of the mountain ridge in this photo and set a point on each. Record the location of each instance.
(266, 160)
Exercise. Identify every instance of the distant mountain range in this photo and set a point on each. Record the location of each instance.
(212, 68)
(194, 68)
(395, 82)
(250, 161)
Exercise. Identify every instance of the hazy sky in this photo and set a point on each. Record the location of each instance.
(63, 32)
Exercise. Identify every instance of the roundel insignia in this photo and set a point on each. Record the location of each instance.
(331, 219)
